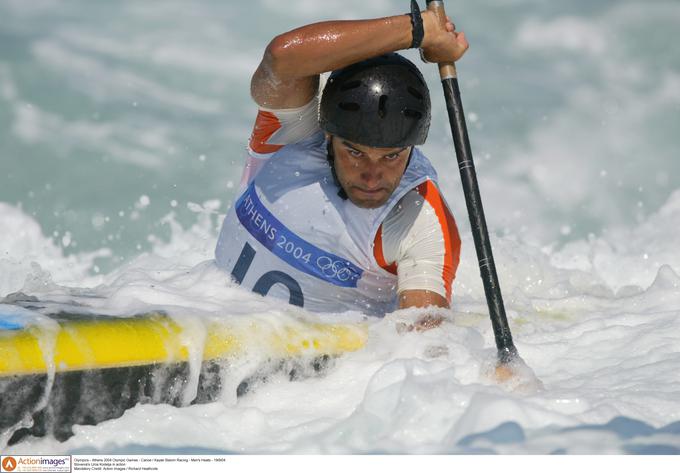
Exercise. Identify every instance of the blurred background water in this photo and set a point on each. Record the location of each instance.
(114, 115)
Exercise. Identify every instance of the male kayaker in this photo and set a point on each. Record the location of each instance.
(339, 210)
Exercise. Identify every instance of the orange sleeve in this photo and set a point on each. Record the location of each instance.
(449, 230)
(266, 124)
(379, 254)
(419, 242)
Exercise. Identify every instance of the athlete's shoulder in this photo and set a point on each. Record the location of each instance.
(411, 204)
(275, 129)
(421, 215)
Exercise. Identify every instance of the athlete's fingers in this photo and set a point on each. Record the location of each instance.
(462, 40)
(428, 322)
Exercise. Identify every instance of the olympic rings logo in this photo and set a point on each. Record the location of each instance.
(335, 269)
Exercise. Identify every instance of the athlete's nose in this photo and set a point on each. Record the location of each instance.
(371, 173)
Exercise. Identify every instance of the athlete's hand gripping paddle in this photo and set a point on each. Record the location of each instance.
(447, 71)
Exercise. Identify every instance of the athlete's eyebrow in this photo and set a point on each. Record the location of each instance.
(349, 145)
(396, 152)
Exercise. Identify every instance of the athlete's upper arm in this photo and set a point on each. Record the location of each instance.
(273, 130)
(271, 88)
(421, 241)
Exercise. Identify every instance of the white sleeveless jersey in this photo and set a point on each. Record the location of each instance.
(290, 235)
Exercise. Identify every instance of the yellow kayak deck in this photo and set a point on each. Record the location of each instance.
(83, 343)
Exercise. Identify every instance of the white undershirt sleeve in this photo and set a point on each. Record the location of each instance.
(424, 246)
(276, 128)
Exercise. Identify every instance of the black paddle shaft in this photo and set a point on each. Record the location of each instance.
(473, 200)
(480, 233)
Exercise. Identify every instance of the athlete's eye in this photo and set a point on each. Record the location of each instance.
(355, 153)
(393, 156)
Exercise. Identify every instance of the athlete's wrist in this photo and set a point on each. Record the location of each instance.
(430, 28)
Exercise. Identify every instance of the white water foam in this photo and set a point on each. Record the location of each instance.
(604, 347)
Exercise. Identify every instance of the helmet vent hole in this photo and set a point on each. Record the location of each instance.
(382, 106)
(350, 85)
(349, 106)
(415, 114)
(413, 91)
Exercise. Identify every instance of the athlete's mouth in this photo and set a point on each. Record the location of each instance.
(375, 191)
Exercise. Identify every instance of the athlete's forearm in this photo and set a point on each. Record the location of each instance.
(288, 75)
(330, 45)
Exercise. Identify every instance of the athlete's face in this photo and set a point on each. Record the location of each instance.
(368, 175)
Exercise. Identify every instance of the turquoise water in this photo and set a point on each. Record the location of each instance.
(115, 114)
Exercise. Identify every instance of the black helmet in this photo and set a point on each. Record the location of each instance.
(381, 102)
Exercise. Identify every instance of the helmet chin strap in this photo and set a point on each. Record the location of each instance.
(330, 156)
(409, 158)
